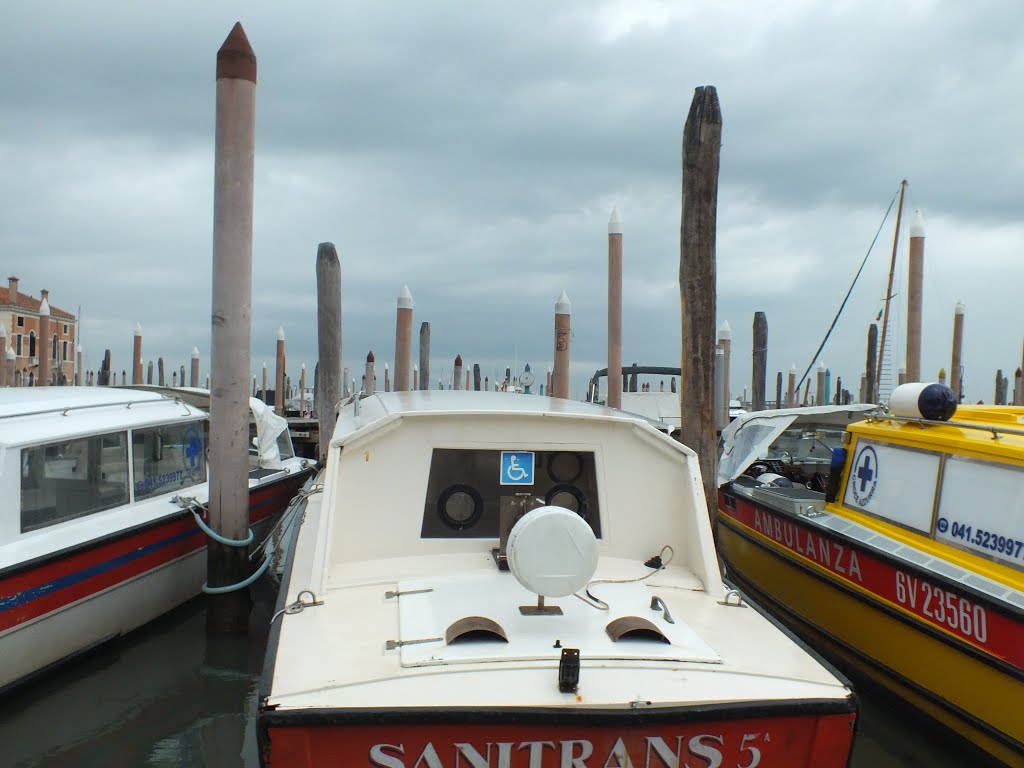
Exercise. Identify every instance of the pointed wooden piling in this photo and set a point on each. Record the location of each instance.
(370, 377)
(43, 344)
(871, 361)
(560, 374)
(725, 342)
(915, 287)
(956, 366)
(457, 376)
(231, 328)
(137, 355)
(403, 339)
(614, 399)
(193, 379)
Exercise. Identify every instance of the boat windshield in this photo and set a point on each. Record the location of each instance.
(467, 490)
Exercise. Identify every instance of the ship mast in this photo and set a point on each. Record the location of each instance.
(888, 293)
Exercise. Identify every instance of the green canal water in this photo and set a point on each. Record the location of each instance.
(168, 696)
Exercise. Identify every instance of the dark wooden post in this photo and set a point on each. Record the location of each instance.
(915, 288)
(778, 390)
(231, 334)
(702, 146)
(327, 374)
(1000, 398)
(870, 394)
(149, 373)
(103, 379)
(279, 374)
(193, 379)
(760, 362)
(476, 377)
(160, 372)
(560, 375)
(424, 355)
(43, 345)
(958, 343)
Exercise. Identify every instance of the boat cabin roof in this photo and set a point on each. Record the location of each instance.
(60, 412)
(995, 432)
(378, 409)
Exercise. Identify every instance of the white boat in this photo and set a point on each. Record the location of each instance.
(610, 639)
(96, 537)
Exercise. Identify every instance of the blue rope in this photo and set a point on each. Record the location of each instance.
(217, 537)
(240, 585)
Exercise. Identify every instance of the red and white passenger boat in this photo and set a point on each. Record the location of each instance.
(95, 539)
(524, 582)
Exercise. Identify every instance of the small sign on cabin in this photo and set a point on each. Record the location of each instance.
(516, 468)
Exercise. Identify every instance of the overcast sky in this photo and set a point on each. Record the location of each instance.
(474, 151)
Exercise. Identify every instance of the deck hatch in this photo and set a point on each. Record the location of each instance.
(496, 597)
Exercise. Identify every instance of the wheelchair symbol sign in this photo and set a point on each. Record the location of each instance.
(516, 468)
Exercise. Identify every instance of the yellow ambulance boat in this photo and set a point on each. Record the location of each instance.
(909, 566)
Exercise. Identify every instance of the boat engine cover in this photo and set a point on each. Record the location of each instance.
(552, 551)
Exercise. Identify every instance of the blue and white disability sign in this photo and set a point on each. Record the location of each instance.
(517, 467)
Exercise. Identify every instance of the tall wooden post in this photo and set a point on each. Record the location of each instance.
(403, 340)
(915, 287)
(231, 328)
(820, 398)
(1018, 388)
(302, 391)
(415, 376)
(871, 361)
(137, 356)
(193, 379)
(279, 392)
(791, 387)
(955, 367)
(721, 409)
(1000, 398)
(149, 372)
(159, 372)
(702, 146)
(387, 378)
(476, 377)
(760, 361)
(263, 391)
(778, 390)
(614, 310)
(560, 374)
(424, 355)
(725, 342)
(327, 374)
(79, 379)
(11, 360)
(43, 345)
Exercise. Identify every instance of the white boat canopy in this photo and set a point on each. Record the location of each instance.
(749, 436)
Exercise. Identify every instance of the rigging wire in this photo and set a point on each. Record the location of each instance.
(847, 297)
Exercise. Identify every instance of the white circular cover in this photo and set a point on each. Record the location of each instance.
(552, 551)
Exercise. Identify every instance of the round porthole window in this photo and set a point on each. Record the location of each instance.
(460, 506)
(568, 496)
(565, 467)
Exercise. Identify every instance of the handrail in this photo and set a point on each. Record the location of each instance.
(65, 408)
(934, 423)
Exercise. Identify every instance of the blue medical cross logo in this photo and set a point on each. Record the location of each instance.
(865, 472)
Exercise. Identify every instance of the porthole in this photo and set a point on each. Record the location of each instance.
(565, 467)
(460, 506)
(568, 496)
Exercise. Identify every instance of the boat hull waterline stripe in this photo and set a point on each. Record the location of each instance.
(53, 585)
(928, 597)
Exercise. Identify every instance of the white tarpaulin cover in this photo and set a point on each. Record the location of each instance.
(268, 426)
(748, 437)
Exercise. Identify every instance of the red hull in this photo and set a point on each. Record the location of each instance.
(807, 740)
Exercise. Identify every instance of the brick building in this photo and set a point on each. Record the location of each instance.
(19, 313)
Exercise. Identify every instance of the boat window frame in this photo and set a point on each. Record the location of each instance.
(161, 489)
(960, 547)
(125, 500)
(852, 451)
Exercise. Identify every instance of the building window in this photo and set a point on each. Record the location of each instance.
(72, 478)
(65, 327)
(31, 343)
(18, 345)
(53, 348)
(21, 321)
(64, 356)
